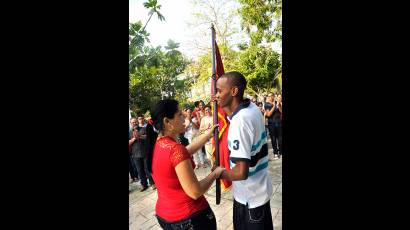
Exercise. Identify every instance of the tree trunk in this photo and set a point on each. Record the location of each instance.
(143, 28)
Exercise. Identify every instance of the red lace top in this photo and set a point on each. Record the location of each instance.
(173, 203)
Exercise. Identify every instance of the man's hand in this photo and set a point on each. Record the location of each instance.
(136, 134)
(213, 98)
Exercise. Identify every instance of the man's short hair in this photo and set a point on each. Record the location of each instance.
(236, 79)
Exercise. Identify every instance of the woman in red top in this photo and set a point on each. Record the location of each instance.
(181, 203)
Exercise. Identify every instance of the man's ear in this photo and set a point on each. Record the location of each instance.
(234, 91)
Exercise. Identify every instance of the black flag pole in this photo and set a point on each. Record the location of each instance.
(215, 115)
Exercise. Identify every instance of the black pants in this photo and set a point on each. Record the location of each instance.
(201, 220)
(252, 219)
(275, 133)
(132, 168)
(142, 168)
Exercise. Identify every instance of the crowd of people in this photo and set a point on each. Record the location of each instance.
(167, 148)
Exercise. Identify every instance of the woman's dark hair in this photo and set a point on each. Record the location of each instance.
(163, 109)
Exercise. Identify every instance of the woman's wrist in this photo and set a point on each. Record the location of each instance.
(213, 175)
(220, 176)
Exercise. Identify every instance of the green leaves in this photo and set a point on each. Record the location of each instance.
(259, 64)
(150, 4)
(258, 17)
(261, 19)
(153, 75)
(171, 45)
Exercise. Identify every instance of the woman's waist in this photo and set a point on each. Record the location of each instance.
(178, 209)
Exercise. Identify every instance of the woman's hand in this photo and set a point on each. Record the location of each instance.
(210, 133)
(218, 171)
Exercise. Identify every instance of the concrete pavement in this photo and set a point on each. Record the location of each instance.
(142, 204)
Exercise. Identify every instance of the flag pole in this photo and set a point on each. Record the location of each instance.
(215, 115)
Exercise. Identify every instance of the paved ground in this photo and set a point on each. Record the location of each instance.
(142, 204)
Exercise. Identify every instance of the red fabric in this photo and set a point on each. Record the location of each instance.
(223, 126)
(173, 203)
(194, 113)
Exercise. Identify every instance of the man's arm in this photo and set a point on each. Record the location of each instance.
(269, 112)
(239, 172)
(131, 141)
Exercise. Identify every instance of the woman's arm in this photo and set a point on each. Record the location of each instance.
(200, 141)
(189, 182)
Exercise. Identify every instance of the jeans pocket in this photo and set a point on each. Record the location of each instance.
(182, 225)
(256, 215)
(210, 216)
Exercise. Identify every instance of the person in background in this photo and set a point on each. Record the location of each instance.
(132, 167)
(206, 125)
(137, 141)
(271, 112)
(199, 155)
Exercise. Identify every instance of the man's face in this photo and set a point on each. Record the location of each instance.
(141, 120)
(223, 92)
(270, 97)
(134, 122)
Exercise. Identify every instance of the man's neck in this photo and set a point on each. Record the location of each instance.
(233, 106)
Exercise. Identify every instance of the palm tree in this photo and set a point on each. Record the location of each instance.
(154, 9)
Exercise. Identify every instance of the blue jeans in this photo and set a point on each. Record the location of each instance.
(259, 218)
(132, 168)
(139, 163)
(204, 219)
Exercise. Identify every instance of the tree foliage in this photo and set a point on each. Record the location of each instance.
(160, 72)
(261, 14)
(153, 72)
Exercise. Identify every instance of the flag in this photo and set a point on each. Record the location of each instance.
(223, 126)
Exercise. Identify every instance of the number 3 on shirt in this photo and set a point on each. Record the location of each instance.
(236, 146)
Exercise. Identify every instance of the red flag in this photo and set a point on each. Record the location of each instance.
(223, 127)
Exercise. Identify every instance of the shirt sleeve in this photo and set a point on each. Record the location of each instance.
(178, 154)
(240, 140)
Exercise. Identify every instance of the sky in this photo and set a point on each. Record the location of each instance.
(177, 14)
(174, 26)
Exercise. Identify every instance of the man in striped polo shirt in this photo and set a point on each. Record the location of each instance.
(247, 143)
